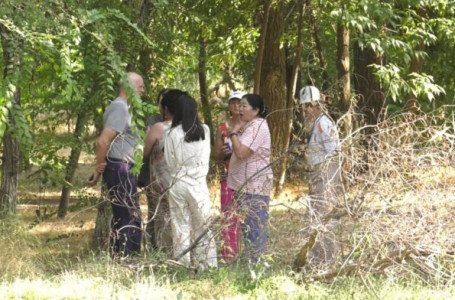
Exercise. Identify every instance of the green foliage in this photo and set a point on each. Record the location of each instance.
(419, 85)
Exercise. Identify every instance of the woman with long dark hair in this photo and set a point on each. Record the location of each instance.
(158, 222)
(250, 175)
(187, 155)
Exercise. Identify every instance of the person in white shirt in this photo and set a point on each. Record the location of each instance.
(321, 155)
(187, 155)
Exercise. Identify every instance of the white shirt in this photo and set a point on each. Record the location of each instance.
(323, 141)
(188, 162)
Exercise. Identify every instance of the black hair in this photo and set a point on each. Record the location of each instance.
(161, 93)
(186, 115)
(256, 103)
(170, 99)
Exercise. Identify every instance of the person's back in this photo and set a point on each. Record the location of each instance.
(323, 141)
(187, 154)
(159, 172)
(188, 161)
(118, 118)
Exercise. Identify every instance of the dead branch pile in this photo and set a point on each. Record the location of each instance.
(397, 213)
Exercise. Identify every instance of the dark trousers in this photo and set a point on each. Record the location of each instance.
(126, 224)
(255, 212)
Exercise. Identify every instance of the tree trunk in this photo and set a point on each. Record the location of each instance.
(273, 89)
(206, 109)
(371, 98)
(291, 86)
(11, 153)
(72, 166)
(412, 105)
(261, 48)
(10, 167)
(145, 64)
(344, 79)
(292, 80)
(318, 45)
(102, 223)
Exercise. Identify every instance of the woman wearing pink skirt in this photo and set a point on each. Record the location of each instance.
(230, 228)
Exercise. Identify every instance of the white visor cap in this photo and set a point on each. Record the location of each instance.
(236, 95)
(308, 94)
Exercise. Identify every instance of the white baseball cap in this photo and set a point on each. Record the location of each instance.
(308, 94)
(236, 95)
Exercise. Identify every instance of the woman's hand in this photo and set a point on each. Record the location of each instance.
(235, 129)
(226, 149)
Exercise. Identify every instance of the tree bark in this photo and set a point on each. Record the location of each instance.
(261, 48)
(145, 64)
(202, 72)
(318, 45)
(412, 105)
(273, 89)
(102, 223)
(11, 152)
(371, 98)
(291, 86)
(72, 165)
(10, 167)
(344, 75)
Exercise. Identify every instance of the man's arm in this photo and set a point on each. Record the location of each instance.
(102, 146)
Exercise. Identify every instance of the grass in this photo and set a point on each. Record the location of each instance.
(48, 258)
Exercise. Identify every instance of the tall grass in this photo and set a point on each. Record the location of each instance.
(407, 205)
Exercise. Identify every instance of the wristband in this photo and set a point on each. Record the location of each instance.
(232, 134)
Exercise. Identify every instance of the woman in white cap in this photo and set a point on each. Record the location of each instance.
(230, 228)
(321, 151)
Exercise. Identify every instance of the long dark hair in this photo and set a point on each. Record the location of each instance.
(170, 99)
(161, 93)
(256, 103)
(186, 115)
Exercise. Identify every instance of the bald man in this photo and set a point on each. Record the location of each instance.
(114, 159)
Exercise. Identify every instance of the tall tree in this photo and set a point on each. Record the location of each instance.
(273, 87)
(12, 49)
(344, 73)
(202, 72)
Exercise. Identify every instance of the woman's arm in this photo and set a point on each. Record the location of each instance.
(219, 155)
(153, 135)
(240, 150)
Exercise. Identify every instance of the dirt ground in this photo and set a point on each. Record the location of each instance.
(73, 235)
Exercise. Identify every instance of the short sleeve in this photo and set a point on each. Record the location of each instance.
(256, 135)
(117, 118)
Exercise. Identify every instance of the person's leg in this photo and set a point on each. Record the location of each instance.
(230, 229)
(321, 203)
(199, 205)
(151, 217)
(134, 228)
(254, 227)
(180, 221)
(126, 221)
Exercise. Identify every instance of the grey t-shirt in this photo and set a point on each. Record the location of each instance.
(118, 118)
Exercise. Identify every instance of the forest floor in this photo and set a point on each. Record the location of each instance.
(44, 257)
